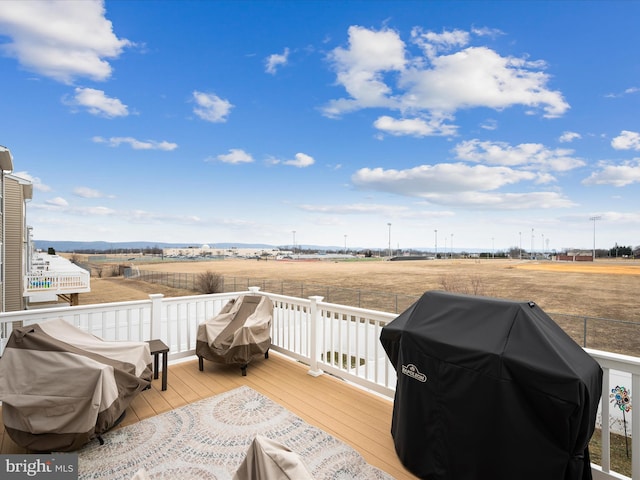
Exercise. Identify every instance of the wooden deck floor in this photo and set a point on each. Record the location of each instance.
(359, 418)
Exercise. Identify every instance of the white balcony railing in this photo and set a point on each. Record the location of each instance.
(331, 338)
(56, 282)
(54, 275)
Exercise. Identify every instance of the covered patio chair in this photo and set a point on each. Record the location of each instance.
(238, 334)
(61, 387)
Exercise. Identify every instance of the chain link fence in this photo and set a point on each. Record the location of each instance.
(611, 335)
(369, 299)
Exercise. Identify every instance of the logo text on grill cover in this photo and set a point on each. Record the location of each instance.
(412, 371)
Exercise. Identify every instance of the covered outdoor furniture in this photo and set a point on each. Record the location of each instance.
(239, 333)
(268, 459)
(61, 387)
(490, 388)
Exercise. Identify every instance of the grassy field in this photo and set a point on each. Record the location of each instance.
(603, 289)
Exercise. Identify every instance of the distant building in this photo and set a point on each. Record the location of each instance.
(14, 234)
(575, 257)
(213, 252)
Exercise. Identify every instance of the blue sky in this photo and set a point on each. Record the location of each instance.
(498, 124)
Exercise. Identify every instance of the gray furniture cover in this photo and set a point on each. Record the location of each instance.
(490, 389)
(269, 460)
(61, 387)
(239, 333)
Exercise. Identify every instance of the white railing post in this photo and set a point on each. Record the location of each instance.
(314, 337)
(635, 430)
(156, 315)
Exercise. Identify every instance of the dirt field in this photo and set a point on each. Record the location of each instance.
(607, 290)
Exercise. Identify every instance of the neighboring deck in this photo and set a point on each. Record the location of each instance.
(51, 276)
(359, 418)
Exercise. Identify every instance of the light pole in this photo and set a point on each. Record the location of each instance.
(520, 245)
(593, 219)
(389, 225)
(294, 242)
(451, 246)
(493, 248)
(436, 232)
(531, 254)
(345, 244)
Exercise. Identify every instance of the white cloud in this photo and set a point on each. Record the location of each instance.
(567, 137)
(235, 156)
(479, 77)
(461, 186)
(377, 71)
(620, 217)
(432, 43)
(617, 175)
(501, 201)
(627, 140)
(35, 181)
(211, 108)
(60, 39)
(301, 160)
(487, 32)
(59, 205)
(97, 103)
(527, 155)
(86, 192)
(417, 127)
(92, 211)
(144, 217)
(628, 91)
(355, 208)
(137, 144)
(489, 124)
(276, 60)
(57, 202)
(360, 69)
(444, 178)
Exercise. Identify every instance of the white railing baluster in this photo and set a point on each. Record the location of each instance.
(314, 322)
(156, 314)
(290, 332)
(635, 429)
(605, 431)
(365, 328)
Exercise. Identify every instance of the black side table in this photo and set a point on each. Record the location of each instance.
(158, 347)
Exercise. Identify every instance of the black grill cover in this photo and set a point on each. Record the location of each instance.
(490, 389)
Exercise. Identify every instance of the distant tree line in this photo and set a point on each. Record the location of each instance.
(617, 251)
(624, 252)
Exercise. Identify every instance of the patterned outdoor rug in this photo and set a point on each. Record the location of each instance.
(209, 440)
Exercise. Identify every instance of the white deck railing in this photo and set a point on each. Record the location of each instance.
(52, 274)
(56, 282)
(331, 338)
